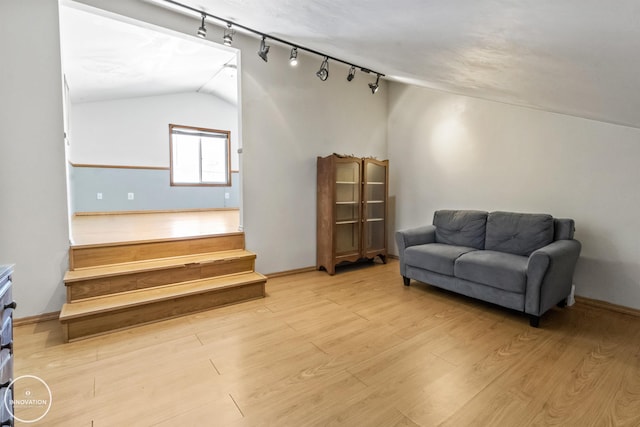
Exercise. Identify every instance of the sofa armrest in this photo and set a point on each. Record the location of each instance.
(412, 237)
(550, 275)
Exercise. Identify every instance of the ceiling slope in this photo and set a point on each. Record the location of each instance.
(577, 57)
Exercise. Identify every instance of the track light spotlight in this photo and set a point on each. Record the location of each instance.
(374, 86)
(227, 39)
(202, 31)
(323, 72)
(293, 58)
(264, 49)
(352, 73)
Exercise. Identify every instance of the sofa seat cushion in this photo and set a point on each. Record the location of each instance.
(436, 257)
(496, 269)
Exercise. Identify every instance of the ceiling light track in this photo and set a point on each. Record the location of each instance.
(264, 49)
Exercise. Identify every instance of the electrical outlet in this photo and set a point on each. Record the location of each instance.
(130, 196)
(99, 196)
(227, 195)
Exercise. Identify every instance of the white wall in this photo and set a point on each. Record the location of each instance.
(135, 131)
(33, 213)
(290, 118)
(464, 153)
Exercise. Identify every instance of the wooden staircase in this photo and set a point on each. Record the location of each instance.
(119, 285)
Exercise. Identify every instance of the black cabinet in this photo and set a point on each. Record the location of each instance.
(7, 305)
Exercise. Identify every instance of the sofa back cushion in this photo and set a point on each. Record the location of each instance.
(518, 233)
(564, 228)
(460, 228)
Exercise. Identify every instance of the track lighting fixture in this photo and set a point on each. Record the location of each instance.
(374, 86)
(323, 72)
(293, 57)
(227, 39)
(202, 31)
(264, 49)
(352, 73)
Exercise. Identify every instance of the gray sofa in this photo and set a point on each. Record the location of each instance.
(520, 261)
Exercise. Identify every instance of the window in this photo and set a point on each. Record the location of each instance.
(199, 156)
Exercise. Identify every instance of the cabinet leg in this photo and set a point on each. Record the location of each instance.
(406, 281)
(331, 269)
(383, 258)
(534, 321)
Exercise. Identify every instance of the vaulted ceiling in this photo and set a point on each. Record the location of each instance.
(106, 58)
(577, 57)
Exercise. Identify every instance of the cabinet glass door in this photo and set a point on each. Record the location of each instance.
(347, 207)
(375, 209)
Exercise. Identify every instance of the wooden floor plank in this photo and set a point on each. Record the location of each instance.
(357, 348)
(123, 227)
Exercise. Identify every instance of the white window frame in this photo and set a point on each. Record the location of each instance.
(175, 130)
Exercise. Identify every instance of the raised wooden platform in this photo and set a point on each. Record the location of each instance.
(113, 286)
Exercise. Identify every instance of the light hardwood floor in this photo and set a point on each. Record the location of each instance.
(354, 349)
(109, 228)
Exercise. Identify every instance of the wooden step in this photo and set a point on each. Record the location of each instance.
(96, 316)
(96, 281)
(122, 252)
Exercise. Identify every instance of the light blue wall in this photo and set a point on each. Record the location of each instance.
(151, 189)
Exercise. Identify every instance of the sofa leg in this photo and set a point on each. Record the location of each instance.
(534, 321)
(406, 280)
(562, 304)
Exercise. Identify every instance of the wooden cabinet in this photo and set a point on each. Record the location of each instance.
(7, 305)
(352, 210)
